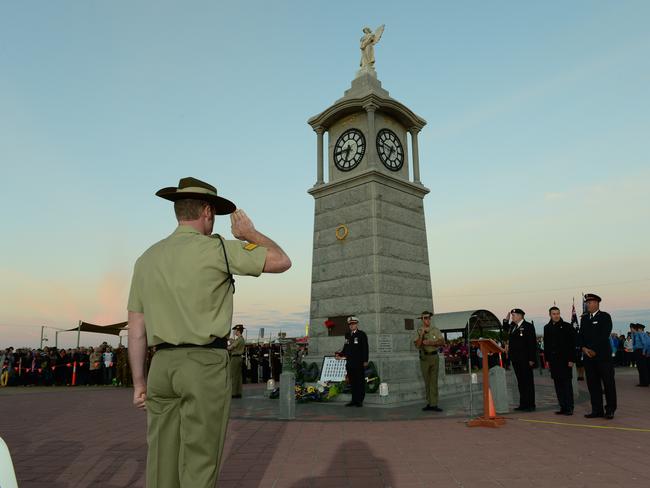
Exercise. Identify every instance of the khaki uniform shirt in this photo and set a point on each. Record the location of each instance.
(182, 287)
(433, 334)
(238, 346)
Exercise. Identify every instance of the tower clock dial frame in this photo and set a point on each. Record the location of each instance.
(390, 150)
(349, 149)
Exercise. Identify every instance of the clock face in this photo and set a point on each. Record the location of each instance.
(349, 149)
(390, 150)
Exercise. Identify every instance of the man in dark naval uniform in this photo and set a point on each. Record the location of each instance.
(522, 350)
(593, 340)
(560, 351)
(355, 351)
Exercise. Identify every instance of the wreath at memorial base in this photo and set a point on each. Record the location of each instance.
(323, 391)
(372, 378)
(306, 373)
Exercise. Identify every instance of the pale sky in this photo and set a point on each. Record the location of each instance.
(536, 148)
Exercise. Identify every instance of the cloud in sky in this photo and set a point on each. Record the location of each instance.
(553, 196)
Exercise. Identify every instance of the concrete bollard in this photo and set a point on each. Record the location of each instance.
(499, 388)
(287, 396)
(441, 368)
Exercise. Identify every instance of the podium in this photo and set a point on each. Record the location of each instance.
(489, 419)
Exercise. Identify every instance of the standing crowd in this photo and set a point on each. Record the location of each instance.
(51, 366)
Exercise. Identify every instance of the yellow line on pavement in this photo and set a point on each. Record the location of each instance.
(585, 425)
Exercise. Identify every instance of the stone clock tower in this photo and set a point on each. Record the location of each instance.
(370, 246)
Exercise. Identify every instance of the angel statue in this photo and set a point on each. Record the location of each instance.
(368, 42)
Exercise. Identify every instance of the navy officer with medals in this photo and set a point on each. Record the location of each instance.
(522, 351)
(593, 340)
(355, 351)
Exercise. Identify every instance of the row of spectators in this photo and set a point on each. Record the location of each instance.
(50, 366)
(105, 365)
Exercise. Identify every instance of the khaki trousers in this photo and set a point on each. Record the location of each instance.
(429, 367)
(235, 374)
(188, 404)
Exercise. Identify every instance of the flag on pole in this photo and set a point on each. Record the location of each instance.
(574, 315)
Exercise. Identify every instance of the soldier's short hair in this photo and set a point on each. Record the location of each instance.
(188, 209)
(553, 308)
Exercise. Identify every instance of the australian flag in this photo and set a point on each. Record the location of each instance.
(574, 316)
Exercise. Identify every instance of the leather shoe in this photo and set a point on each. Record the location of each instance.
(593, 415)
(609, 415)
(436, 409)
(427, 408)
(568, 412)
(350, 404)
(358, 404)
(561, 412)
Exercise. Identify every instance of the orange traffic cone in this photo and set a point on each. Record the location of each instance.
(492, 411)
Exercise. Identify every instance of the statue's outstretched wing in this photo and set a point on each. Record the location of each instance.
(379, 32)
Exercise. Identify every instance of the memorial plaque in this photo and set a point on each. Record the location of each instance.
(384, 344)
(333, 369)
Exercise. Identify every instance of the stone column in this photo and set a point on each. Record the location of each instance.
(416, 156)
(287, 399)
(319, 155)
(372, 134)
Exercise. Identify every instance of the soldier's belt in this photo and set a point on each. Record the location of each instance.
(424, 353)
(218, 343)
(235, 355)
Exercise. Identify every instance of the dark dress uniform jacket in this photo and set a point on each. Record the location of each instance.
(356, 348)
(560, 348)
(522, 343)
(594, 334)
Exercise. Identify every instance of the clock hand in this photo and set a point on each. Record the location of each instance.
(392, 149)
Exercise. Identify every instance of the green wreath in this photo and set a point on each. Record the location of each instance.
(311, 373)
(372, 378)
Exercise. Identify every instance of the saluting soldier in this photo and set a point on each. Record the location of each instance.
(181, 302)
(236, 349)
(593, 339)
(355, 351)
(428, 340)
(560, 351)
(522, 350)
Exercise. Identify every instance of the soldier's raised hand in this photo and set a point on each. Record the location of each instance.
(241, 226)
